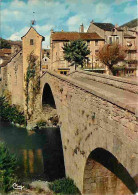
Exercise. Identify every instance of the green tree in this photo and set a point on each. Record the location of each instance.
(8, 167)
(4, 44)
(76, 52)
(111, 54)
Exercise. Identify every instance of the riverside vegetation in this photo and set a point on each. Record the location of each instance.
(9, 162)
(8, 176)
(8, 168)
(11, 113)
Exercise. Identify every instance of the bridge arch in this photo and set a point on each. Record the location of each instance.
(47, 97)
(103, 174)
(48, 104)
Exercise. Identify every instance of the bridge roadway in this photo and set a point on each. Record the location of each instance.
(125, 99)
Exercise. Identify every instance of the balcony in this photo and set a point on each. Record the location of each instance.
(131, 62)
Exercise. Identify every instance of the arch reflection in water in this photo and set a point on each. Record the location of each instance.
(40, 154)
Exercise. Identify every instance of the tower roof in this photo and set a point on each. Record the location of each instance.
(43, 38)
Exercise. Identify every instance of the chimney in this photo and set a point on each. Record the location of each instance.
(92, 21)
(81, 28)
(116, 26)
(52, 31)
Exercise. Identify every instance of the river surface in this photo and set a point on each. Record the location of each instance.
(39, 154)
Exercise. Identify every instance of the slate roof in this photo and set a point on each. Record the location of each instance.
(105, 26)
(72, 36)
(43, 38)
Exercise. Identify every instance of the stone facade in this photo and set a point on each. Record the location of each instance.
(57, 41)
(90, 119)
(12, 79)
(31, 42)
(124, 36)
(13, 71)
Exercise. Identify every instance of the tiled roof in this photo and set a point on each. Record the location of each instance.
(71, 36)
(1, 53)
(6, 51)
(19, 43)
(105, 26)
(9, 59)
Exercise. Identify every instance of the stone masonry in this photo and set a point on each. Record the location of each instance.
(89, 119)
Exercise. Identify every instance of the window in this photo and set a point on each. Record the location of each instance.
(117, 39)
(96, 51)
(110, 40)
(88, 43)
(31, 41)
(65, 72)
(96, 43)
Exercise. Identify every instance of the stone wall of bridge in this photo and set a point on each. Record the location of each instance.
(89, 122)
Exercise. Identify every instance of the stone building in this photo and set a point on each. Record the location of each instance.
(45, 63)
(123, 35)
(13, 70)
(57, 41)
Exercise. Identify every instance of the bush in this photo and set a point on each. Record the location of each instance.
(41, 124)
(8, 167)
(64, 186)
(11, 113)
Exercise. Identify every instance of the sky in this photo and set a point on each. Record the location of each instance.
(67, 15)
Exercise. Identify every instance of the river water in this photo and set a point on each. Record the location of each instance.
(39, 154)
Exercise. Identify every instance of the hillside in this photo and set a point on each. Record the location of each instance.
(8, 43)
(131, 24)
(4, 44)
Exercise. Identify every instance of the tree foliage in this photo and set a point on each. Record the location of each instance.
(32, 83)
(76, 52)
(8, 167)
(64, 186)
(4, 44)
(10, 112)
(111, 54)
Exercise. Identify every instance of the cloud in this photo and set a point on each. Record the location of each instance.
(131, 10)
(102, 10)
(17, 35)
(43, 30)
(61, 14)
(74, 23)
(118, 2)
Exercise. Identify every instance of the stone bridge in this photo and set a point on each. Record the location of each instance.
(98, 122)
